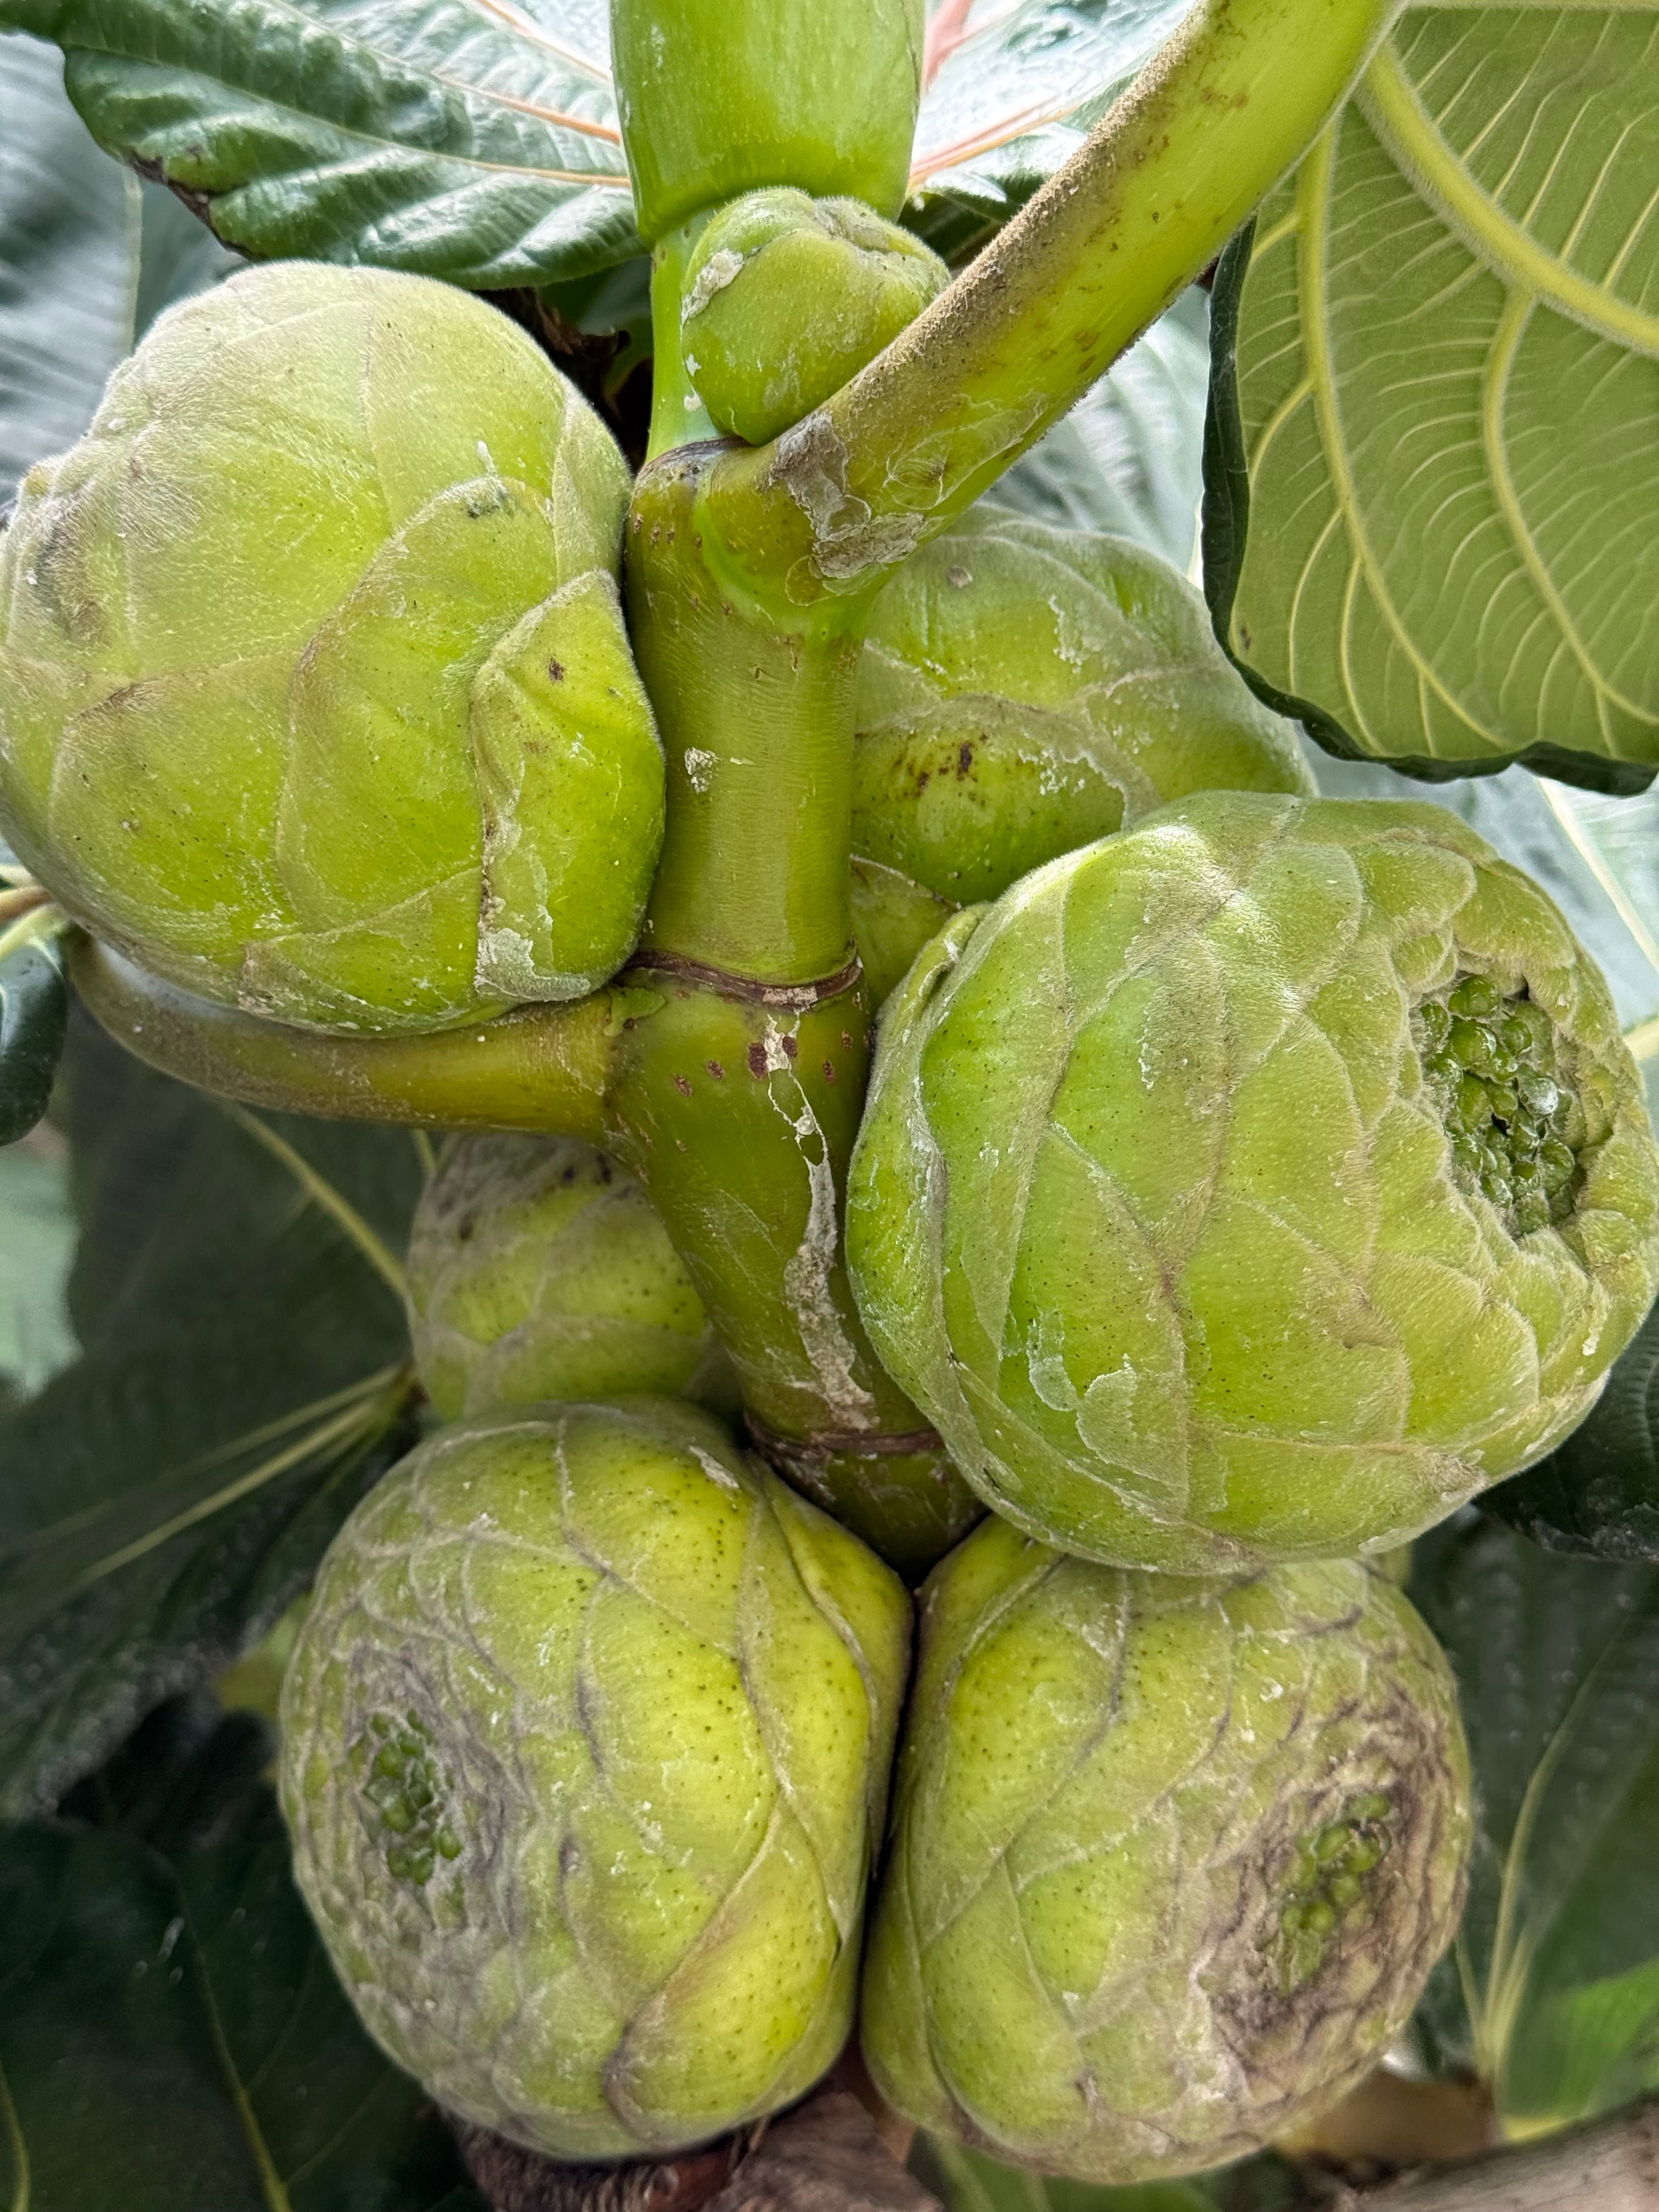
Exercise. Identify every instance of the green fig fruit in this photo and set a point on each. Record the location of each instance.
(1171, 1859)
(585, 1750)
(1023, 691)
(538, 1270)
(315, 697)
(1260, 1184)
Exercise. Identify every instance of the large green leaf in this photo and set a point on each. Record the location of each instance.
(89, 256)
(482, 144)
(1434, 455)
(172, 2038)
(241, 1380)
(1553, 1991)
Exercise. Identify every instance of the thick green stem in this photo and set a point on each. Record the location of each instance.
(739, 1114)
(835, 503)
(737, 1102)
(756, 722)
(545, 1068)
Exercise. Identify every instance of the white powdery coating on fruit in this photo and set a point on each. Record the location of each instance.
(716, 273)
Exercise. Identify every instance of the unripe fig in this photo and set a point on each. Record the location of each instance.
(585, 1747)
(1258, 1184)
(537, 1269)
(1026, 689)
(718, 97)
(315, 697)
(788, 297)
(1171, 1859)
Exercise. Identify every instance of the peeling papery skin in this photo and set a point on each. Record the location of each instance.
(1155, 1214)
(315, 696)
(651, 1697)
(1107, 1943)
(1023, 689)
(537, 1269)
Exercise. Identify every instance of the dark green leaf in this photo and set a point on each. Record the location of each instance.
(1599, 1491)
(483, 147)
(478, 146)
(172, 2038)
(89, 256)
(241, 1382)
(1553, 1994)
(34, 1015)
(1434, 456)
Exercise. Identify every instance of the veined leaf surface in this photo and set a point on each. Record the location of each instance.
(478, 139)
(172, 2038)
(1434, 445)
(241, 1380)
(89, 255)
(1553, 1989)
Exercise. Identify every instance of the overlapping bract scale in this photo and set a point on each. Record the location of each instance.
(315, 691)
(659, 1694)
(1156, 1214)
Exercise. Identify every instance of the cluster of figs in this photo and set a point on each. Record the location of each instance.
(1247, 1179)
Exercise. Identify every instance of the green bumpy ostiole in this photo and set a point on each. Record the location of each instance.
(586, 1743)
(720, 97)
(787, 297)
(1258, 1184)
(1171, 1859)
(317, 698)
(537, 1269)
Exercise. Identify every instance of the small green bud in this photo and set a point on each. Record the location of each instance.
(1556, 1163)
(1474, 1106)
(1475, 995)
(1473, 1043)
(788, 297)
(537, 1269)
(1133, 1921)
(655, 1697)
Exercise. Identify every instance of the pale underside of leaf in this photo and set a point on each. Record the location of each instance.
(1448, 394)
